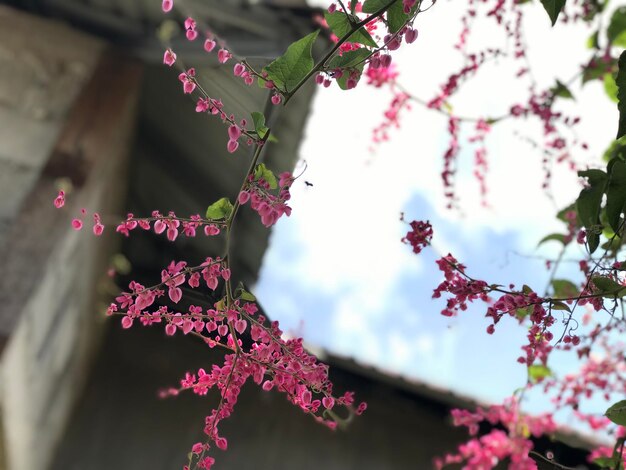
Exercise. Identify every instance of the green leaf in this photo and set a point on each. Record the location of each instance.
(617, 413)
(558, 305)
(616, 149)
(592, 41)
(564, 288)
(349, 59)
(553, 7)
(220, 209)
(260, 128)
(396, 18)
(526, 289)
(608, 287)
(261, 171)
(616, 194)
(339, 24)
(588, 205)
(243, 294)
(538, 372)
(523, 312)
(610, 87)
(597, 67)
(353, 6)
(372, 6)
(606, 462)
(559, 237)
(355, 71)
(247, 296)
(616, 31)
(621, 94)
(561, 215)
(562, 91)
(290, 68)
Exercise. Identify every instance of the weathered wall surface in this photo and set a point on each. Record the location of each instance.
(122, 425)
(67, 111)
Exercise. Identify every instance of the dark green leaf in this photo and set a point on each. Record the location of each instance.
(616, 31)
(340, 25)
(538, 372)
(553, 7)
(354, 72)
(349, 59)
(616, 194)
(289, 69)
(588, 205)
(597, 68)
(562, 91)
(559, 237)
(608, 462)
(564, 288)
(396, 18)
(261, 171)
(617, 413)
(621, 94)
(353, 6)
(372, 6)
(608, 287)
(562, 214)
(220, 209)
(617, 149)
(526, 289)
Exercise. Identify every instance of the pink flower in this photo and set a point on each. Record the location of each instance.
(127, 322)
(167, 5)
(410, 35)
(276, 99)
(59, 201)
(190, 23)
(77, 224)
(234, 132)
(238, 70)
(98, 228)
(223, 55)
(209, 45)
(232, 146)
(169, 57)
(244, 197)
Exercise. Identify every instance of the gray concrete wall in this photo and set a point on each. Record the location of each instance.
(67, 112)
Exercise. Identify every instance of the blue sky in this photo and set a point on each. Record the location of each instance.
(336, 272)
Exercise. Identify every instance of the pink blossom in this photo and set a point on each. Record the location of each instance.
(209, 45)
(223, 56)
(169, 57)
(167, 5)
(77, 224)
(59, 201)
(232, 146)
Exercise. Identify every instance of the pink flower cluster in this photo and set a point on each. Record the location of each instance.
(269, 206)
(489, 450)
(462, 288)
(419, 236)
(256, 350)
(170, 224)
